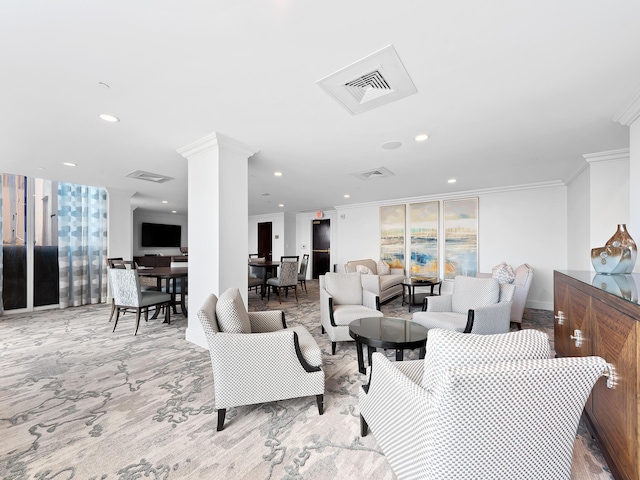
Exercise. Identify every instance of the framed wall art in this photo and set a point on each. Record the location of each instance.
(423, 231)
(392, 234)
(460, 237)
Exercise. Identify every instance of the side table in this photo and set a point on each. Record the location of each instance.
(410, 283)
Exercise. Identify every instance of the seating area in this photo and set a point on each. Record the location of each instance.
(378, 278)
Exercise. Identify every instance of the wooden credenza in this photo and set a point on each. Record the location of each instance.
(599, 315)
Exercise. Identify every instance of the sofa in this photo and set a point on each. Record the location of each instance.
(384, 286)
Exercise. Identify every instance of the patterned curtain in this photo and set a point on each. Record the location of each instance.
(82, 244)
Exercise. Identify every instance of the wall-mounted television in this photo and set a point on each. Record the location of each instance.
(160, 235)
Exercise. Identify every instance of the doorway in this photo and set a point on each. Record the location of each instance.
(265, 240)
(321, 247)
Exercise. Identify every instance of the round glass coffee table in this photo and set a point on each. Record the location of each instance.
(388, 333)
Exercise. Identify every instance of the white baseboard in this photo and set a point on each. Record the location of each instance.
(196, 336)
(540, 305)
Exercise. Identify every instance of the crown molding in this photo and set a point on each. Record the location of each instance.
(608, 156)
(630, 111)
(216, 140)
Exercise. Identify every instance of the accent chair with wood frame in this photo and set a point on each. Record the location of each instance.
(479, 406)
(343, 299)
(256, 358)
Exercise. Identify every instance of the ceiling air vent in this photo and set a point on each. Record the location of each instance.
(380, 172)
(371, 82)
(149, 177)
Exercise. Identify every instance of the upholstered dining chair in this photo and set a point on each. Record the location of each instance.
(256, 358)
(128, 296)
(287, 279)
(256, 274)
(302, 274)
(343, 300)
(477, 305)
(479, 406)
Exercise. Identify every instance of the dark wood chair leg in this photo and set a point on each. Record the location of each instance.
(138, 312)
(221, 413)
(295, 289)
(364, 428)
(113, 308)
(320, 402)
(333, 348)
(116, 322)
(323, 330)
(280, 294)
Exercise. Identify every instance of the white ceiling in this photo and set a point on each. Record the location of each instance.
(510, 92)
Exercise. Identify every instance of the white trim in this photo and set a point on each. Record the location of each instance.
(196, 336)
(629, 112)
(608, 156)
(214, 140)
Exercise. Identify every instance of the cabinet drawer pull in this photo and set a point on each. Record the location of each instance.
(610, 373)
(560, 317)
(577, 336)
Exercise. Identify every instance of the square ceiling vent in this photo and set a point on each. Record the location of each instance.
(379, 172)
(376, 80)
(149, 177)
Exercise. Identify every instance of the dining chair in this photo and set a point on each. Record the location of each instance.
(302, 275)
(128, 296)
(114, 262)
(287, 279)
(256, 274)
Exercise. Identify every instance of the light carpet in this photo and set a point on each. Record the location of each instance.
(80, 402)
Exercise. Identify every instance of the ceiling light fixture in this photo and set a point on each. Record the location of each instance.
(347, 195)
(281, 204)
(422, 137)
(109, 118)
(69, 164)
(165, 201)
(174, 211)
(391, 145)
(278, 174)
(451, 180)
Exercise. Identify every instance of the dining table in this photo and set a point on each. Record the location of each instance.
(170, 275)
(270, 270)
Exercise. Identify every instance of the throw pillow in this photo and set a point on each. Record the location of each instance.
(232, 314)
(383, 268)
(446, 348)
(363, 270)
(503, 273)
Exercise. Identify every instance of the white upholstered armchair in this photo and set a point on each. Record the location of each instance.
(256, 358)
(343, 300)
(479, 406)
(477, 305)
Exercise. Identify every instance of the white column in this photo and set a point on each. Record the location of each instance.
(120, 224)
(629, 115)
(218, 230)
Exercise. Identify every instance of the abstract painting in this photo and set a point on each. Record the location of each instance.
(423, 231)
(460, 237)
(392, 232)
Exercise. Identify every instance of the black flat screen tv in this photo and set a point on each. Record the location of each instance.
(160, 235)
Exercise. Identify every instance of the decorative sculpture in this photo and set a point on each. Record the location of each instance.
(617, 256)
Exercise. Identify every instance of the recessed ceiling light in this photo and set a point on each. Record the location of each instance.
(174, 211)
(391, 145)
(69, 164)
(40, 168)
(346, 195)
(165, 201)
(109, 118)
(451, 180)
(278, 174)
(281, 204)
(422, 137)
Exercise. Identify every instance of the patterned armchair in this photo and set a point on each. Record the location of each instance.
(479, 406)
(343, 300)
(256, 358)
(477, 305)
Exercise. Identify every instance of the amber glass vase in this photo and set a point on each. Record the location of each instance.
(622, 239)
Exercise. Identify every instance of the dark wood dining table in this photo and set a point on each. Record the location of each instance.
(170, 275)
(269, 267)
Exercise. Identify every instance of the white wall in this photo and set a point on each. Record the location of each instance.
(516, 225)
(578, 221)
(120, 225)
(289, 234)
(609, 199)
(634, 186)
(163, 218)
(277, 230)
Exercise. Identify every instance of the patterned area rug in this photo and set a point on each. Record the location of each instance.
(80, 402)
